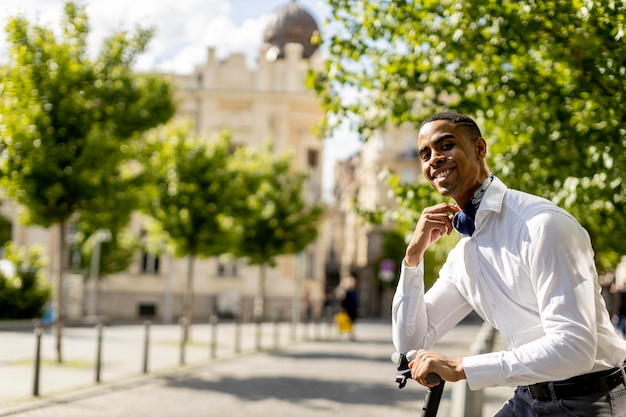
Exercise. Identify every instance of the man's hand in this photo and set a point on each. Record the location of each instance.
(425, 362)
(433, 223)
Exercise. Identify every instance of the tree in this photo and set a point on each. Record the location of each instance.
(23, 290)
(191, 203)
(66, 123)
(275, 217)
(545, 79)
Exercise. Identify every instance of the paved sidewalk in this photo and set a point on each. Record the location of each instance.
(320, 374)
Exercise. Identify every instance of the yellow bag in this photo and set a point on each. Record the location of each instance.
(343, 322)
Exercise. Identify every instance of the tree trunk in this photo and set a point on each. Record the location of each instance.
(259, 301)
(188, 300)
(59, 304)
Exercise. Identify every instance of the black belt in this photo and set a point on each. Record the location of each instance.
(578, 386)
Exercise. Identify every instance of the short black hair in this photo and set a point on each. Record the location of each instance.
(457, 119)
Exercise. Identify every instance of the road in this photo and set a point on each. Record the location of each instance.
(309, 378)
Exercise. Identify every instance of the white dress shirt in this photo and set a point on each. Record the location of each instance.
(528, 271)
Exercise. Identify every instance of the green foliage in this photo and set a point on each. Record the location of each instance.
(210, 199)
(23, 290)
(195, 185)
(66, 124)
(544, 79)
(275, 218)
(66, 120)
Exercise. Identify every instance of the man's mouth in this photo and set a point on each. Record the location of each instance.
(442, 175)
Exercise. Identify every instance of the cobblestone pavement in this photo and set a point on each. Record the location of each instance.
(319, 373)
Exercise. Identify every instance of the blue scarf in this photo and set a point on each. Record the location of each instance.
(463, 221)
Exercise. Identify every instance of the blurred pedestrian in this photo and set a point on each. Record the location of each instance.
(350, 303)
(346, 299)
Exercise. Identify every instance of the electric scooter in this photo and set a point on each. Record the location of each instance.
(433, 396)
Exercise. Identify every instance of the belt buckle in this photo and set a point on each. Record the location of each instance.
(540, 391)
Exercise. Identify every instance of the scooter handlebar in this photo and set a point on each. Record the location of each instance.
(434, 394)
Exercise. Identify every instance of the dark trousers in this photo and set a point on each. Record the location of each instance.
(611, 404)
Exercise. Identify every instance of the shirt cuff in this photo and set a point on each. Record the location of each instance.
(484, 370)
(411, 278)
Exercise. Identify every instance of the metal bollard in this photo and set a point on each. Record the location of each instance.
(276, 331)
(238, 335)
(318, 331)
(295, 319)
(258, 334)
(38, 333)
(146, 346)
(213, 337)
(332, 326)
(181, 361)
(98, 352)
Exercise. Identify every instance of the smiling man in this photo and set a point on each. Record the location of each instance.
(526, 267)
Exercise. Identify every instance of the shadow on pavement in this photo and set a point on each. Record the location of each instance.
(336, 355)
(294, 389)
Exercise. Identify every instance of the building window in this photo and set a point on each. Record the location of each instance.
(226, 268)
(149, 263)
(312, 158)
(74, 256)
(147, 310)
(309, 264)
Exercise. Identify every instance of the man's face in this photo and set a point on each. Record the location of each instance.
(452, 161)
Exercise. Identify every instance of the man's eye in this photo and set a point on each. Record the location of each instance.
(425, 156)
(447, 146)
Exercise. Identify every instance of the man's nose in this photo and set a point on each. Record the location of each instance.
(437, 157)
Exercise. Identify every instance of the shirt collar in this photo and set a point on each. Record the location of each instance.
(493, 198)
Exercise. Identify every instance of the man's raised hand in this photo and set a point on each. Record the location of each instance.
(434, 222)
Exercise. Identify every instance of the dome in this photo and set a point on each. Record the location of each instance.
(291, 24)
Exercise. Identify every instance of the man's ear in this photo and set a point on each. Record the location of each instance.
(481, 147)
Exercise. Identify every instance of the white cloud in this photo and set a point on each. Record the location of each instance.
(184, 28)
(184, 31)
(183, 62)
(245, 39)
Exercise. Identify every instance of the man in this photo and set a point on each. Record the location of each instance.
(526, 267)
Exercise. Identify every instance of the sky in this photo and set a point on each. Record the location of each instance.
(184, 30)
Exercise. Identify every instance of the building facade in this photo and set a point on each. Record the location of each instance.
(266, 103)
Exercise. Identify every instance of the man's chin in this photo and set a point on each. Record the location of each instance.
(444, 191)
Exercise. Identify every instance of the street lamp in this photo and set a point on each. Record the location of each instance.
(102, 235)
(297, 290)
